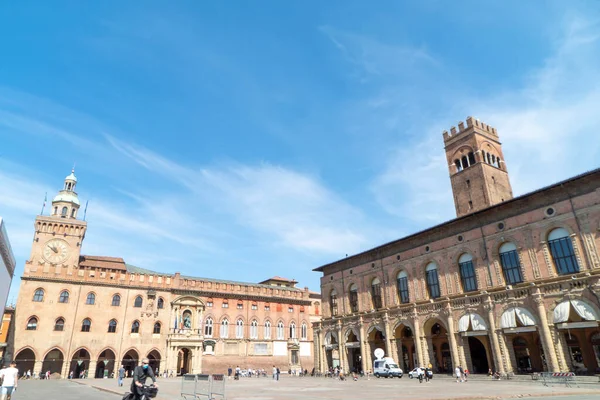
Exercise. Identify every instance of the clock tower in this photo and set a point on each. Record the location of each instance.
(58, 236)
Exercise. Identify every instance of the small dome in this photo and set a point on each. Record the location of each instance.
(71, 176)
(65, 196)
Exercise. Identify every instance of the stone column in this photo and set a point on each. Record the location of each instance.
(91, 372)
(386, 330)
(452, 337)
(363, 343)
(417, 335)
(545, 335)
(342, 348)
(322, 351)
(489, 306)
(37, 368)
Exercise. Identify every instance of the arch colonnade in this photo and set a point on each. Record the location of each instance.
(514, 332)
(104, 364)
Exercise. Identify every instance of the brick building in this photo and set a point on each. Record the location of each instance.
(511, 284)
(89, 313)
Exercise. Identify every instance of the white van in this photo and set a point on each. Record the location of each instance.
(386, 367)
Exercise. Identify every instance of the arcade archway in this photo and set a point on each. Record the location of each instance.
(437, 342)
(130, 361)
(353, 351)
(479, 358)
(376, 340)
(25, 361)
(403, 335)
(80, 363)
(154, 361)
(53, 362)
(332, 351)
(105, 367)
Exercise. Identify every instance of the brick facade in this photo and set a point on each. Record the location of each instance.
(513, 287)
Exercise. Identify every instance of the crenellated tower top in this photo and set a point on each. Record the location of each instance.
(473, 124)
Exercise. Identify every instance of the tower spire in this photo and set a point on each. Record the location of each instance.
(66, 203)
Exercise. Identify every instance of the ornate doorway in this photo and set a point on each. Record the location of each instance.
(184, 361)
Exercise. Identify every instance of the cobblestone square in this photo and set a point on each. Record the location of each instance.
(290, 388)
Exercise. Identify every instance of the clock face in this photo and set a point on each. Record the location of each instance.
(56, 251)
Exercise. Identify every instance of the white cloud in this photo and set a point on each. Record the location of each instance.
(548, 129)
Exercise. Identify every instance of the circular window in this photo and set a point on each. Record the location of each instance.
(550, 211)
(500, 226)
(460, 238)
(427, 249)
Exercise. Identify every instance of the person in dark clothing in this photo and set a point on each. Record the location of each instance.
(140, 374)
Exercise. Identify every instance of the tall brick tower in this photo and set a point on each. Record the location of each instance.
(477, 170)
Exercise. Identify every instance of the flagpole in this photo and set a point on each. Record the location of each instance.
(44, 205)
(85, 210)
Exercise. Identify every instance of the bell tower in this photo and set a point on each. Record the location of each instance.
(58, 236)
(477, 169)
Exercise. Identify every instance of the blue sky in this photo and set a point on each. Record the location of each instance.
(242, 140)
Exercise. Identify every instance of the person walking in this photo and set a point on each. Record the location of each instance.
(140, 374)
(10, 381)
(466, 374)
(419, 372)
(28, 374)
(121, 375)
(274, 373)
(458, 373)
(278, 373)
(229, 371)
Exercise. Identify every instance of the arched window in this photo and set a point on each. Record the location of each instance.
(254, 329)
(156, 330)
(483, 156)
(471, 158)
(64, 297)
(160, 304)
(465, 162)
(59, 325)
(32, 324)
(376, 293)
(135, 327)
(64, 212)
(225, 328)
(458, 165)
(511, 267)
(489, 158)
(208, 327)
(562, 251)
(304, 331)
(116, 300)
(91, 299)
(402, 280)
(138, 302)
(239, 329)
(353, 297)
(292, 330)
(73, 213)
(280, 335)
(433, 282)
(86, 325)
(112, 326)
(333, 302)
(467, 273)
(38, 296)
(267, 329)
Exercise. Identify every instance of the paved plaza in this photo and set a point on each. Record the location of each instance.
(294, 388)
